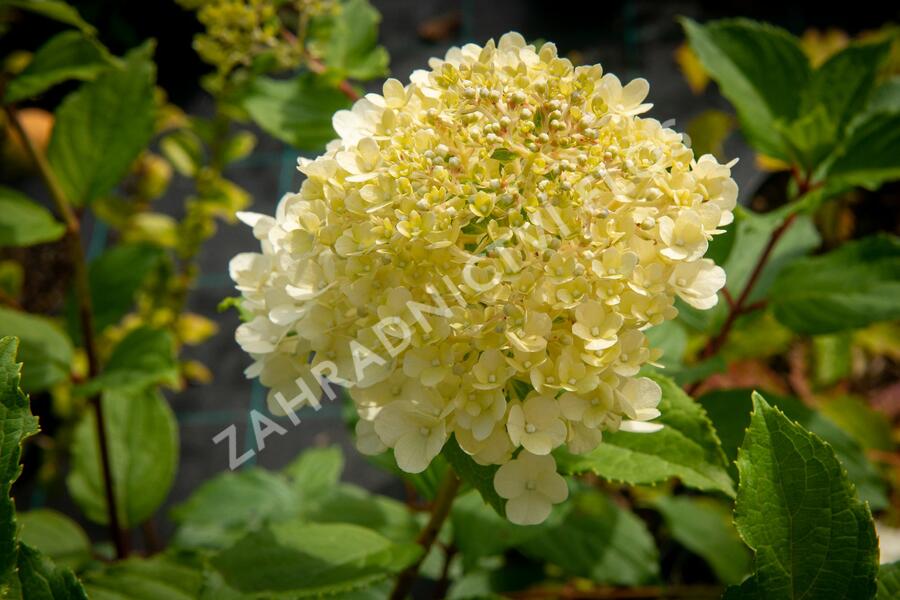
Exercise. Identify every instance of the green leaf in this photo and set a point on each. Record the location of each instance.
(43, 347)
(796, 509)
(54, 9)
(227, 506)
(871, 154)
(886, 97)
(704, 526)
(888, 582)
(40, 579)
(143, 357)
(55, 535)
(480, 477)
(848, 288)
(751, 235)
(24, 222)
(425, 483)
(757, 335)
(24, 572)
(102, 128)
(161, 576)
(116, 276)
(479, 531)
(686, 447)
(351, 504)
(843, 84)
(315, 472)
(296, 111)
(295, 559)
(869, 427)
(67, 55)
(16, 424)
(143, 447)
(760, 69)
(730, 412)
(832, 358)
(672, 339)
(598, 540)
(353, 49)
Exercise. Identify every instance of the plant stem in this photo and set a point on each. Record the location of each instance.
(439, 512)
(739, 306)
(316, 66)
(82, 293)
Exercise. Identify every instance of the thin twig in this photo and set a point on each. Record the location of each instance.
(443, 584)
(82, 293)
(728, 297)
(439, 512)
(739, 307)
(316, 66)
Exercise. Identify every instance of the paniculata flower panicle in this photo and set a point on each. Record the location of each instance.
(478, 255)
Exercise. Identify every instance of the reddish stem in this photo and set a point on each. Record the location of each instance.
(82, 293)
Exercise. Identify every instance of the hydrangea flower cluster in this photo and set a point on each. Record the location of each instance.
(478, 255)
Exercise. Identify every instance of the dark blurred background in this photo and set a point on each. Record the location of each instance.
(630, 38)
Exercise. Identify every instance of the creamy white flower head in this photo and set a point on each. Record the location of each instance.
(531, 487)
(477, 254)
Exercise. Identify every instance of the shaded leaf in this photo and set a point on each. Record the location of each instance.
(67, 55)
(479, 531)
(43, 346)
(704, 526)
(843, 84)
(225, 507)
(23, 222)
(752, 233)
(55, 535)
(315, 472)
(351, 504)
(143, 357)
(296, 559)
(53, 9)
(730, 412)
(870, 155)
(847, 288)
(143, 447)
(598, 540)
(116, 276)
(888, 582)
(153, 578)
(480, 477)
